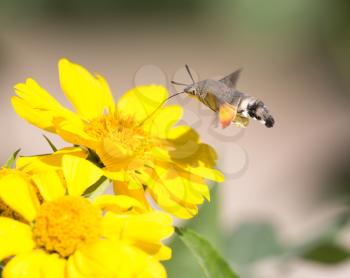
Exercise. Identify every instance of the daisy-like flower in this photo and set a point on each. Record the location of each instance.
(134, 140)
(48, 230)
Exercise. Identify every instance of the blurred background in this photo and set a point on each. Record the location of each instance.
(283, 210)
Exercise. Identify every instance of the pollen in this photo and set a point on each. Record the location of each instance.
(125, 131)
(65, 224)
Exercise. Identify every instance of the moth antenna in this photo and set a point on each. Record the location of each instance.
(178, 83)
(189, 72)
(160, 105)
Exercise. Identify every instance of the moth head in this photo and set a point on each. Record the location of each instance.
(192, 90)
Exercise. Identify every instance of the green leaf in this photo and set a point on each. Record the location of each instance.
(11, 161)
(253, 241)
(182, 263)
(98, 188)
(212, 264)
(327, 253)
(53, 147)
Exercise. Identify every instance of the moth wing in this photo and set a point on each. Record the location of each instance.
(231, 79)
(241, 121)
(227, 114)
(212, 102)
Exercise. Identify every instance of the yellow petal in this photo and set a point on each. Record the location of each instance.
(35, 264)
(119, 204)
(167, 202)
(178, 183)
(143, 101)
(138, 193)
(79, 174)
(50, 184)
(110, 259)
(17, 192)
(73, 132)
(208, 173)
(196, 184)
(24, 265)
(73, 271)
(185, 152)
(164, 253)
(197, 160)
(43, 163)
(144, 230)
(89, 95)
(36, 105)
(53, 266)
(35, 95)
(164, 198)
(153, 269)
(206, 155)
(15, 238)
(119, 175)
(113, 154)
(163, 122)
(41, 119)
(181, 134)
(188, 153)
(100, 259)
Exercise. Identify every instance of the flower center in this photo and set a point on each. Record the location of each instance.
(124, 131)
(66, 223)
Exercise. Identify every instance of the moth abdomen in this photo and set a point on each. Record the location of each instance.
(270, 122)
(259, 111)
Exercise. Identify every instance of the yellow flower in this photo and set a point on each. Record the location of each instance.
(135, 139)
(48, 230)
